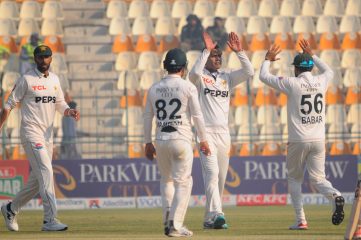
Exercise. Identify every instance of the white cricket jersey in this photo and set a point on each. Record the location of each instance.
(214, 90)
(173, 101)
(39, 96)
(305, 100)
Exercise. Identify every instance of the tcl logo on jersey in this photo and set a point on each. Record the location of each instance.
(215, 93)
(38, 88)
(45, 99)
(207, 80)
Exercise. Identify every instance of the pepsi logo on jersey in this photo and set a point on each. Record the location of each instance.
(45, 99)
(215, 93)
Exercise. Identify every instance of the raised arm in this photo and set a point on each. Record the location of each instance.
(246, 72)
(197, 69)
(325, 70)
(280, 83)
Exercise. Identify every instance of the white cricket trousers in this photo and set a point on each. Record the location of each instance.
(214, 170)
(175, 159)
(310, 156)
(40, 179)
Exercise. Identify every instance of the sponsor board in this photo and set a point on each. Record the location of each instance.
(13, 176)
(126, 202)
(200, 200)
(139, 177)
(149, 202)
(71, 203)
(319, 199)
(261, 199)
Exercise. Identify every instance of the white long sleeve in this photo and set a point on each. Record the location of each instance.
(148, 118)
(240, 75)
(197, 115)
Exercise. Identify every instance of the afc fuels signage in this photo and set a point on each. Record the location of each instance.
(13, 176)
(140, 177)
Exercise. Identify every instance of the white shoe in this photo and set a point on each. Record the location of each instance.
(182, 232)
(10, 218)
(299, 226)
(54, 225)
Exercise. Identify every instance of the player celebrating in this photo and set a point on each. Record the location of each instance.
(173, 101)
(40, 94)
(214, 88)
(306, 128)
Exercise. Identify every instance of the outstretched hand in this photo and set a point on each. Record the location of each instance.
(150, 151)
(234, 43)
(208, 42)
(272, 53)
(306, 47)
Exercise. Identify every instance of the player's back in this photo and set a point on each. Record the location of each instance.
(306, 107)
(169, 100)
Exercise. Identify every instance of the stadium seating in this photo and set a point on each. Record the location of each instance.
(117, 47)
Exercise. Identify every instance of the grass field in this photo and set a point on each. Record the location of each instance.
(248, 223)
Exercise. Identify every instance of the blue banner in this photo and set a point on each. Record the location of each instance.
(140, 177)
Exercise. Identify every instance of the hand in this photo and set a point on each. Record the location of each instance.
(306, 47)
(234, 43)
(272, 53)
(74, 114)
(150, 151)
(208, 42)
(204, 148)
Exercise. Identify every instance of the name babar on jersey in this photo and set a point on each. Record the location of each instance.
(167, 106)
(311, 104)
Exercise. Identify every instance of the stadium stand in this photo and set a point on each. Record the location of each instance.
(111, 52)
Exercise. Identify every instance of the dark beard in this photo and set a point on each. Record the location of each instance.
(43, 69)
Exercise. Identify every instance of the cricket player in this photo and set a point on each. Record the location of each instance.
(214, 86)
(306, 128)
(39, 93)
(173, 101)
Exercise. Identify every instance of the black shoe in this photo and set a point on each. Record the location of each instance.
(338, 214)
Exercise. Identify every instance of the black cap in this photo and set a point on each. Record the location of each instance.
(303, 60)
(175, 58)
(42, 50)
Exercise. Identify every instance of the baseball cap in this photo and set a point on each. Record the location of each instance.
(42, 50)
(303, 60)
(175, 57)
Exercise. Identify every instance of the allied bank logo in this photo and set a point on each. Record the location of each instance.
(63, 182)
(38, 146)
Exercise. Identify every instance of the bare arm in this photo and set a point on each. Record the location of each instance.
(3, 116)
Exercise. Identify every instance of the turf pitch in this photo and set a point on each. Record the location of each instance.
(248, 223)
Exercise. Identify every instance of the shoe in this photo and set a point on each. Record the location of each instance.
(10, 218)
(299, 226)
(338, 214)
(166, 224)
(219, 221)
(357, 234)
(182, 232)
(54, 225)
